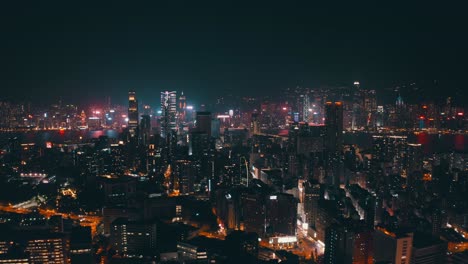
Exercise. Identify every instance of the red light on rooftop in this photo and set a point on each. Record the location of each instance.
(424, 107)
(460, 114)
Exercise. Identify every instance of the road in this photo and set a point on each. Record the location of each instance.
(84, 220)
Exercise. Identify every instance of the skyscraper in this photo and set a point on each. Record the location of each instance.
(348, 244)
(311, 197)
(41, 246)
(305, 108)
(281, 213)
(203, 120)
(335, 242)
(132, 113)
(184, 174)
(334, 126)
(145, 128)
(168, 112)
(254, 124)
(134, 239)
(357, 111)
(414, 163)
(334, 141)
(182, 108)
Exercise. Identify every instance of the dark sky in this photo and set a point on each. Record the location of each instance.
(76, 49)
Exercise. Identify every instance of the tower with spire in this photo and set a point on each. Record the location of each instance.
(182, 108)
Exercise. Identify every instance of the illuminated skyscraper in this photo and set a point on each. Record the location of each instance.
(168, 112)
(414, 164)
(182, 106)
(132, 113)
(41, 246)
(311, 197)
(348, 244)
(184, 174)
(369, 106)
(357, 106)
(305, 108)
(133, 239)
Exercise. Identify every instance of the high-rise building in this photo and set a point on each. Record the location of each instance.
(311, 198)
(168, 112)
(41, 246)
(253, 212)
(369, 106)
(81, 251)
(228, 208)
(414, 163)
(254, 124)
(357, 119)
(191, 252)
(428, 249)
(281, 213)
(348, 244)
(334, 141)
(377, 163)
(182, 108)
(393, 247)
(335, 242)
(215, 128)
(119, 191)
(203, 122)
(388, 153)
(134, 239)
(52, 249)
(361, 250)
(184, 176)
(132, 114)
(334, 126)
(396, 152)
(199, 146)
(145, 128)
(380, 116)
(436, 221)
(306, 108)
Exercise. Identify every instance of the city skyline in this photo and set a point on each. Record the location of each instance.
(195, 132)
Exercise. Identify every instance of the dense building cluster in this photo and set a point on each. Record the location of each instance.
(325, 175)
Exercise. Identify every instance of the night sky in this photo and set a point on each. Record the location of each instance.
(74, 49)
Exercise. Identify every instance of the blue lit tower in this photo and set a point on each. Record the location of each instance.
(168, 112)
